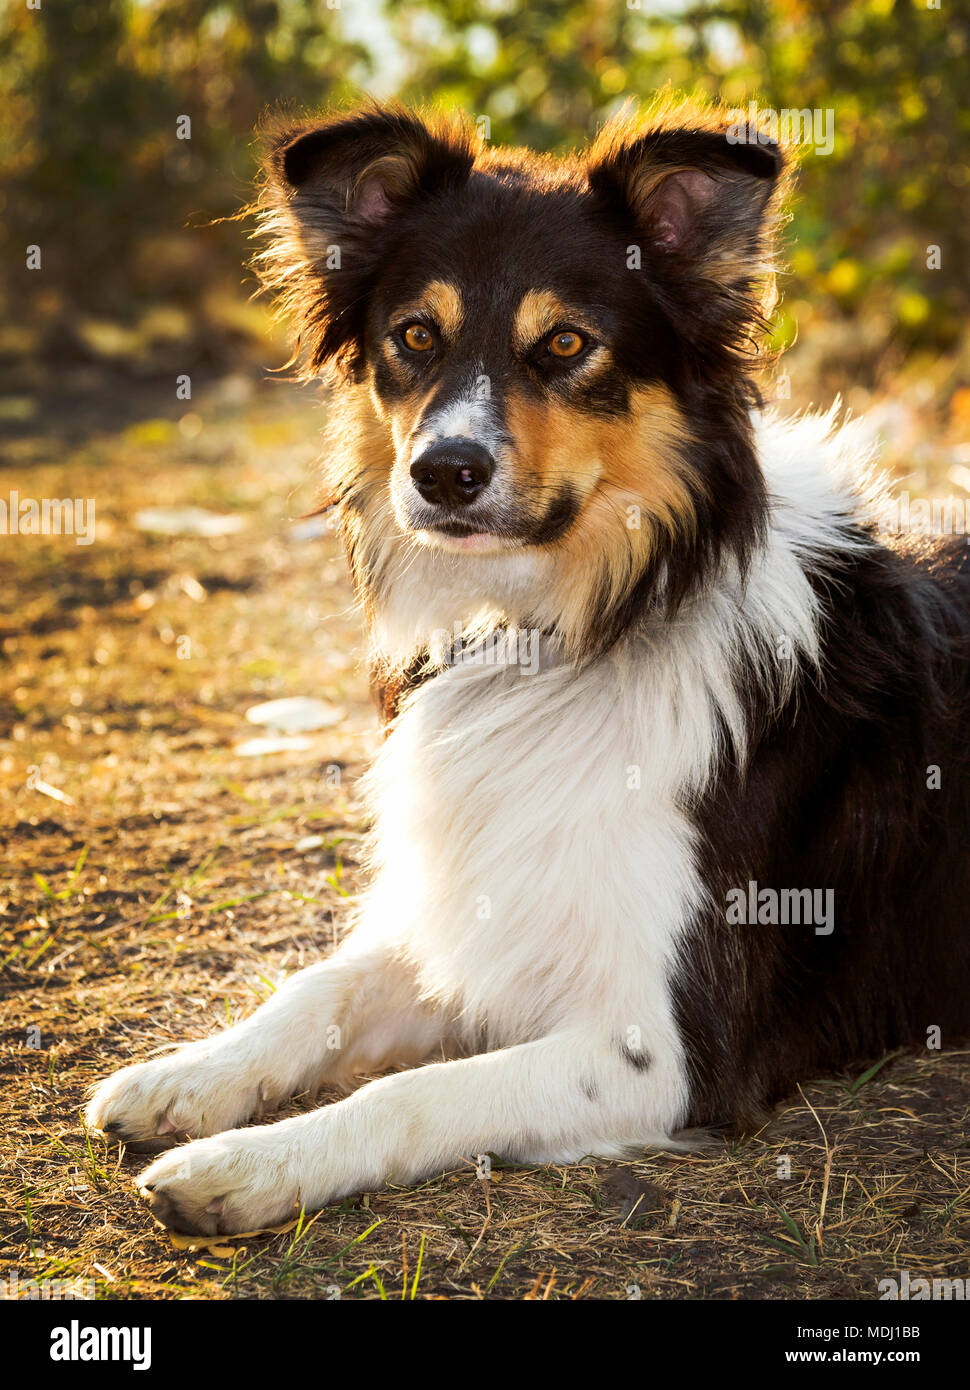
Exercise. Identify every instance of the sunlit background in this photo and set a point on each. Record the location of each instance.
(136, 275)
(164, 863)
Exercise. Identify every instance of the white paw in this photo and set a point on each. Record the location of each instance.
(239, 1181)
(203, 1088)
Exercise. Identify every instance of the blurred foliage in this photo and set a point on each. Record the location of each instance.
(137, 266)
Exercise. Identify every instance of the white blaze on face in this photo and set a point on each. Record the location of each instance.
(468, 416)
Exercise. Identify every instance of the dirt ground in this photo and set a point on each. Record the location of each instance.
(158, 882)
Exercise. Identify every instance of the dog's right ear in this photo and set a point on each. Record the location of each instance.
(334, 193)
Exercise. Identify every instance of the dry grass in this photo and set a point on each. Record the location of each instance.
(168, 895)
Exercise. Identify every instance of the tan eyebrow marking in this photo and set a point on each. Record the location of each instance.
(539, 312)
(443, 303)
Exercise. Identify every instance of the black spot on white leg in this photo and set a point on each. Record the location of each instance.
(590, 1089)
(639, 1060)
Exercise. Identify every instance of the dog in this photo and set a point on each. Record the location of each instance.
(672, 811)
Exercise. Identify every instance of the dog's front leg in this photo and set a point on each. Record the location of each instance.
(356, 1012)
(553, 1100)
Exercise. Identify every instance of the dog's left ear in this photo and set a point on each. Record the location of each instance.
(703, 201)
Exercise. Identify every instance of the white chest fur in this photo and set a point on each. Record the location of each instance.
(532, 848)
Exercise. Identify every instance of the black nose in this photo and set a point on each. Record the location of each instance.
(453, 472)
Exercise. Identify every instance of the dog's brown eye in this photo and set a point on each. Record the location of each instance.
(565, 344)
(417, 337)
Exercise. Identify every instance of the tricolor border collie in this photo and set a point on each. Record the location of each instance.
(673, 808)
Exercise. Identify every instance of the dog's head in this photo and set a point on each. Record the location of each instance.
(553, 356)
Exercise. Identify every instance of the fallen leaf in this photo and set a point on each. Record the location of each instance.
(298, 714)
(215, 1245)
(54, 793)
(283, 743)
(188, 521)
(308, 842)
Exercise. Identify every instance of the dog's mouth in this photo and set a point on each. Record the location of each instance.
(459, 529)
(461, 537)
(490, 529)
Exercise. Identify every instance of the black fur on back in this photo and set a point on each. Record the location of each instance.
(837, 796)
